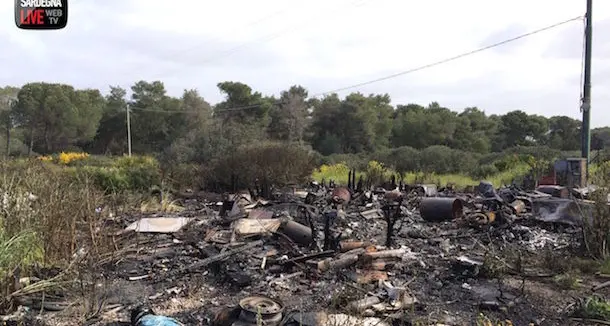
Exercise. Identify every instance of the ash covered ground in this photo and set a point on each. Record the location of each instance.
(327, 251)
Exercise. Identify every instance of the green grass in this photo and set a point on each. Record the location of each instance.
(339, 173)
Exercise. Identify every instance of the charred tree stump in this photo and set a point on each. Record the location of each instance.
(391, 214)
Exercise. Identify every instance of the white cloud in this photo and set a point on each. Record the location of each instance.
(324, 45)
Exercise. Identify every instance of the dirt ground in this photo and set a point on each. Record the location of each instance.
(525, 272)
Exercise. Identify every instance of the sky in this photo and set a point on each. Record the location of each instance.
(325, 45)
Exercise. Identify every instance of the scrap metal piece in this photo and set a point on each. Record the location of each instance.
(564, 211)
(393, 196)
(256, 310)
(486, 189)
(425, 190)
(297, 232)
(481, 218)
(554, 190)
(518, 206)
(249, 227)
(437, 209)
(159, 224)
(363, 304)
(372, 214)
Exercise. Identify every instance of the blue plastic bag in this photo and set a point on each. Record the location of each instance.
(154, 320)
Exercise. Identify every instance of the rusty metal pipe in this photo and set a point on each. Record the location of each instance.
(437, 209)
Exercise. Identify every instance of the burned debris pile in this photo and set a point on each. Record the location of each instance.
(326, 254)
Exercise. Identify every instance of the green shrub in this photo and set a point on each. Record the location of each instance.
(485, 171)
(96, 160)
(142, 172)
(436, 159)
(109, 179)
(402, 159)
(136, 173)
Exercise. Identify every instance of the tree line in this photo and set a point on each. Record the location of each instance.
(47, 118)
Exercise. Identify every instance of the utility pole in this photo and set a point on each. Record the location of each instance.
(586, 93)
(128, 133)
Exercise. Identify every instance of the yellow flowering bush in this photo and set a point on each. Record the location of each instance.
(67, 158)
(337, 172)
(46, 158)
(376, 172)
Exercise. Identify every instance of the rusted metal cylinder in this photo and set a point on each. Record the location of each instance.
(436, 209)
(341, 195)
(297, 232)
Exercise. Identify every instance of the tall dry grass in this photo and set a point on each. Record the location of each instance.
(46, 216)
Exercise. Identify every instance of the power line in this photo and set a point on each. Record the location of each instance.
(430, 65)
(237, 108)
(459, 56)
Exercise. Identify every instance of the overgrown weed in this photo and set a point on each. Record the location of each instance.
(596, 228)
(339, 172)
(483, 320)
(593, 308)
(163, 203)
(47, 216)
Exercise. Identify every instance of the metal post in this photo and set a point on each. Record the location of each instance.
(128, 133)
(586, 94)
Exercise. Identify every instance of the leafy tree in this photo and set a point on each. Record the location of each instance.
(356, 128)
(111, 136)
(156, 118)
(517, 128)
(564, 133)
(243, 115)
(289, 119)
(56, 116)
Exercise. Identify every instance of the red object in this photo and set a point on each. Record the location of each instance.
(341, 195)
(548, 180)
